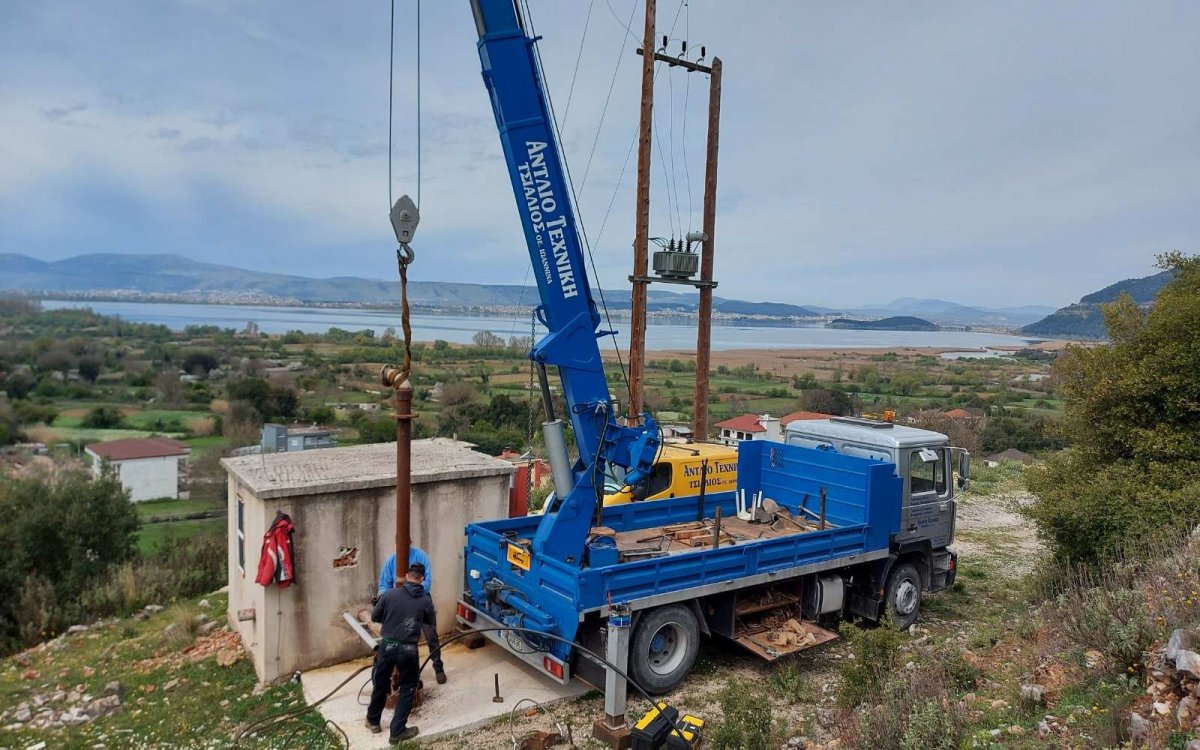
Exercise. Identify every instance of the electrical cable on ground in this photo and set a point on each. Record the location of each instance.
(293, 714)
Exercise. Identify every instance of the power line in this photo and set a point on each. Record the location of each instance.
(578, 57)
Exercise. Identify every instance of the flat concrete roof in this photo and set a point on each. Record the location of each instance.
(357, 467)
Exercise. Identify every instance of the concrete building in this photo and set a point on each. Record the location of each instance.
(281, 438)
(343, 504)
(149, 468)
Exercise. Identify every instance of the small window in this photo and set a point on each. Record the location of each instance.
(241, 534)
(658, 481)
(926, 472)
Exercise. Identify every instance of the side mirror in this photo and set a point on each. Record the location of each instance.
(964, 470)
(638, 491)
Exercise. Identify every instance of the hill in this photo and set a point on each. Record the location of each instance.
(173, 275)
(894, 323)
(1084, 319)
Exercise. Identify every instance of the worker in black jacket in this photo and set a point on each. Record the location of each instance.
(403, 613)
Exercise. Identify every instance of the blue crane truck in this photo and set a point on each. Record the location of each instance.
(843, 518)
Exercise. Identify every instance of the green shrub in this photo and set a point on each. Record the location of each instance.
(876, 651)
(930, 727)
(1129, 413)
(790, 682)
(103, 418)
(746, 718)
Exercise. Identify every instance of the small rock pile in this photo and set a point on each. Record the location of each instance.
(1173, 687)
(63, 708)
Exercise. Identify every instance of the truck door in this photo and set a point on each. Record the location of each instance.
(929, 510)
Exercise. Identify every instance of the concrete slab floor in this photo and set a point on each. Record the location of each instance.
(462, 704)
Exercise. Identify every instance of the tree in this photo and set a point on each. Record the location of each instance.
(1132, 416)
(169, 387)
(826, 401)
(199, 363)
(64, 528)
(89, 368)
(18, 385)
(487, 340)
(103, 418)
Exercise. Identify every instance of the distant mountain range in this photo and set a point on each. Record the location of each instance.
(1084, 319)
(172, 277)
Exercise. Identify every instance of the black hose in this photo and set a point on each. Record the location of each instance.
(295, 713)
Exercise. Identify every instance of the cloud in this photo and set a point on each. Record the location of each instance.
(989, 154)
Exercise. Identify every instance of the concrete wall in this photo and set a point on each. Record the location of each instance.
(146, 478)
(300, 627)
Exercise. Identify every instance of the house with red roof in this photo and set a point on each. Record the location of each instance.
(760, 426)
(149, 468)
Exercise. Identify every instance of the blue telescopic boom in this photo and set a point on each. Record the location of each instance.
(539, 182)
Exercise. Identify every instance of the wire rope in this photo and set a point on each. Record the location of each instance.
(578, 56)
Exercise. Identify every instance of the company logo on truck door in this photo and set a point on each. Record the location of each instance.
(549, 225)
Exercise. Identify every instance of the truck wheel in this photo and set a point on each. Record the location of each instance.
(903, 595)
(663, 648)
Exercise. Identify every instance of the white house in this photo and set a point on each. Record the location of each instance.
(760, 427)
(149, 468)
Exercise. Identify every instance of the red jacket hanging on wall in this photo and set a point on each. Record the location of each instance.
(277, 563)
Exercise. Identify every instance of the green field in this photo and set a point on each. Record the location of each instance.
(152, 535)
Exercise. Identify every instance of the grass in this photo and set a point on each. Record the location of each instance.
(204, 709)
(167, 508)
(1005, 476)
(152, 535)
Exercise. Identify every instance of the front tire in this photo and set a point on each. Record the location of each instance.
(903, 595)
(663, 648)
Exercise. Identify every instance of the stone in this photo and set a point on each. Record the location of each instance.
(23, 715)
(152, 609)
(1188, 662)
(228, 657)
(1092, 658)
(76, 629)
(1185, 711)
(1139, 729)
(88, 671)
(996, 732)
(105, 705)
(170, 630)
(999, 704)
(1193, 745)
(38, 746)
(1181, 640)
(202, 618)
(114, 688)
(203, 604)
(1033, 693)
(259, 688)
(170, 684)
(1161, 708)
(142, 616)
(1044, 730)
(208, 627)
(29, 674)
(1016, 730)
(74, 716)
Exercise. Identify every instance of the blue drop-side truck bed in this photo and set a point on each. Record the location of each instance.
(507, 583)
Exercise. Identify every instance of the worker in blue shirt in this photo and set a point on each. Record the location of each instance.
(387, 580)
(387, 576)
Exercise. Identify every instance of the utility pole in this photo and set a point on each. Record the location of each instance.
(704, 322)
(641, 238)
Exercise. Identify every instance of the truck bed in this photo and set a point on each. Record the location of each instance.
(862, 508)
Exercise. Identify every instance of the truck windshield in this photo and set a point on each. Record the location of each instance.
(926, 476)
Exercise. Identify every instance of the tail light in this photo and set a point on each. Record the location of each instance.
(552, 667)
(466, 612)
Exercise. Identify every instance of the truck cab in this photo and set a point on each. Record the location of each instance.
(926, 463)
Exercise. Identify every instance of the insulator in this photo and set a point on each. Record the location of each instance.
(664, 41)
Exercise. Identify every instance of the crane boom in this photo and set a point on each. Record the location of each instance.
(539, 182)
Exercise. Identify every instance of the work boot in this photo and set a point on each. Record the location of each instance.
(375, 728)
(407, 734)
(441, 678)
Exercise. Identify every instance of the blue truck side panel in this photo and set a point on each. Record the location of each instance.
(862, 505)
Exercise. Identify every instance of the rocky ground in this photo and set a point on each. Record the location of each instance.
(996, 547)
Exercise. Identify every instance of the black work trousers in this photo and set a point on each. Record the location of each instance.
(392, 655)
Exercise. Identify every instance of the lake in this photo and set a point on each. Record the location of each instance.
(459, 329)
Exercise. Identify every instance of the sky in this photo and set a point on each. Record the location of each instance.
(997, 154)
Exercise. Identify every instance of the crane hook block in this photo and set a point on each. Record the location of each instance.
(405, 218)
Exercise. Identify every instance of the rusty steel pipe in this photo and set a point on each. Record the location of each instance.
(397, 379)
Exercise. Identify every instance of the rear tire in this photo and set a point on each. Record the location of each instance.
(663, 648)
(903, 595)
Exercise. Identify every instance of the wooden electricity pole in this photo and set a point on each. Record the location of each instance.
(704, 322)
(641, 238)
